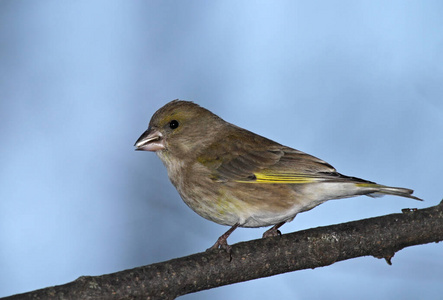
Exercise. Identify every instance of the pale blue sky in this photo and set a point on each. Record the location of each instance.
(356, 83)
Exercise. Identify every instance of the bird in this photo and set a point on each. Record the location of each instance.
(237, 178)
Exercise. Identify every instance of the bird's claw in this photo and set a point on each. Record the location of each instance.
(222, 244)
(271, 232)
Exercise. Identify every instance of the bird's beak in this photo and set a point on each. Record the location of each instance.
(150, 140)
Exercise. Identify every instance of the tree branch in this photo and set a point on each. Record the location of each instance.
(380, 237)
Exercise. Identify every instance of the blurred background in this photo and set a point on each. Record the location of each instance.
(356, 83)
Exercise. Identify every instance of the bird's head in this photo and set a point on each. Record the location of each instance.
(180, 128)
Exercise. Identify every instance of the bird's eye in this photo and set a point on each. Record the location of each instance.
(173, 124)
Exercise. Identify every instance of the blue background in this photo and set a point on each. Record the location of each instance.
(356, 83)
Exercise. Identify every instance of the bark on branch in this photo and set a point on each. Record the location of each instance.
(380, 237)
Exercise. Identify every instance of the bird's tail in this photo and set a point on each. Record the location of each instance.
(380, 190)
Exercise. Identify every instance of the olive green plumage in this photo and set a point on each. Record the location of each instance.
(234, 177)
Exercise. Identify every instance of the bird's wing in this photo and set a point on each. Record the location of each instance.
(293, 167)
(234, 159)
(255, 159)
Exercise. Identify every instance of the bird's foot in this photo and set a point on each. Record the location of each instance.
(221, 243)
(273, 231)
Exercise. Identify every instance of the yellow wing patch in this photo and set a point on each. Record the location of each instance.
(284, 178)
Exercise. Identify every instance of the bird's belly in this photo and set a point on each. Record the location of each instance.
(216, 208)
(249, 205)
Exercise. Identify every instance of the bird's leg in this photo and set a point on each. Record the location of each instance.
(274, 230)
(221, 242)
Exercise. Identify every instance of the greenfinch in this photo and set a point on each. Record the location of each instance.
(234, 177)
